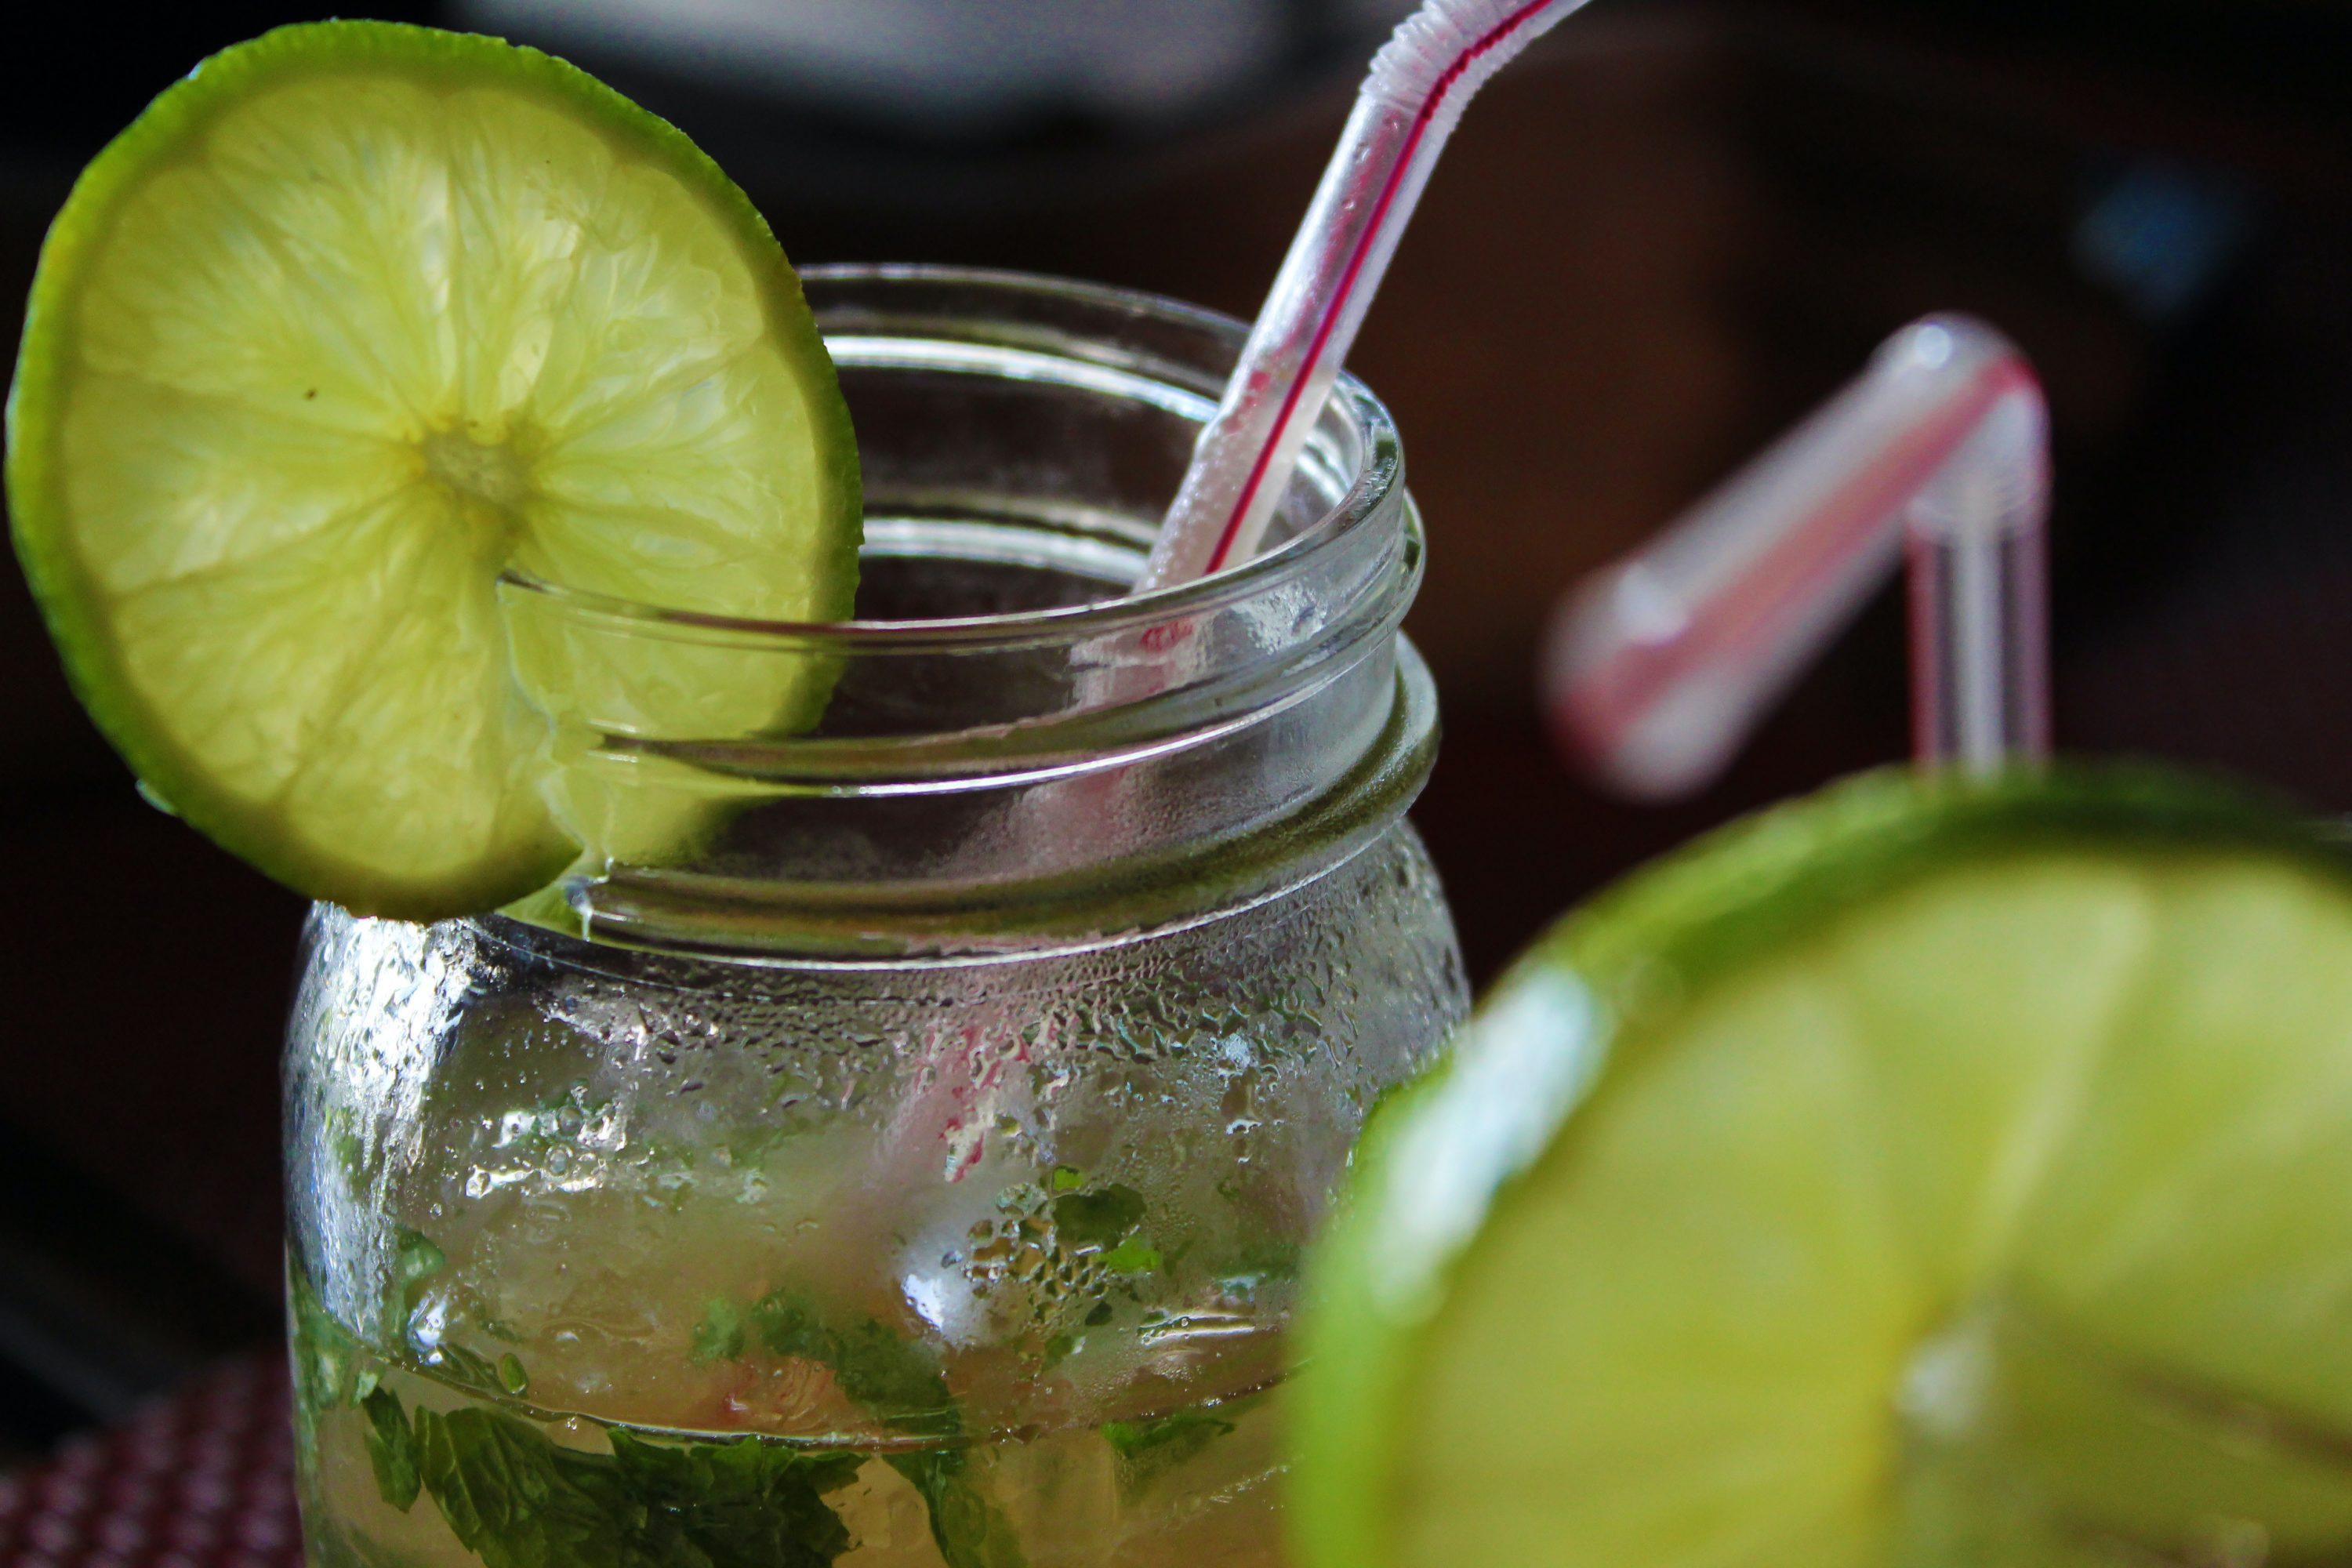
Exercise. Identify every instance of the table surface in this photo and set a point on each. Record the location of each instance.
(202, 1478)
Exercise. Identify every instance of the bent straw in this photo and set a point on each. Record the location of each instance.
(1419, 84)
(1656, 669)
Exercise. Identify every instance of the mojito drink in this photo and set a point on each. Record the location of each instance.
(893, 1268)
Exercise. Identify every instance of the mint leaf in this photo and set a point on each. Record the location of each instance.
(893, 1378)
(418, 1258)
(326, 1368)
(391, 1448)
(326, 1357)
(746, 1504)
(1272, 1258)
(1147, 1449)
(903, 1384)
(719, 1335)
(1102, 1218)
(415, 1259)
(516, 1500)
(969, 1531)
(472, 1370)
(1133, 1256)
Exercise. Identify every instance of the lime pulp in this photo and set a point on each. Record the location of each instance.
(1919, 1174)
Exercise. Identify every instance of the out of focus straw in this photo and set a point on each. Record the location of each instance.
(1656, 668)
(1418, 87)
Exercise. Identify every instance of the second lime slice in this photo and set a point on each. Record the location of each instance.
(353, 320)
(1920, 1175)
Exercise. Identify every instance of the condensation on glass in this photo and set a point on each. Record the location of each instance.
(959, 1076)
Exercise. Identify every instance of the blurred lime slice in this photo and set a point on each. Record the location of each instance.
(1917, 1175)
(347, 323)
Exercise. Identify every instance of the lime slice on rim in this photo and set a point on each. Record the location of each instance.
(351, 320)
(1919, 1174)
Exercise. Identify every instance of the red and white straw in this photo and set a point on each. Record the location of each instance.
(1656, 668)
(1419, 84)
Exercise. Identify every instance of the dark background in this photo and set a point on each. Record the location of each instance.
(1654, 242)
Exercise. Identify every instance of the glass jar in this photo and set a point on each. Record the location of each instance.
(894, 1141)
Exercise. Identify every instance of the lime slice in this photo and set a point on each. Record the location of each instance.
(1919, 1174)
(347, 323)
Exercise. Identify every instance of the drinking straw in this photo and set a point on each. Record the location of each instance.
(1419, 84)
(1656, 668)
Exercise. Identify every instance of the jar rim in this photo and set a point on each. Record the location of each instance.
(1378, 475)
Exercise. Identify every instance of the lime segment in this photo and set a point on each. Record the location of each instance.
(1917, 1175)
(351, 321)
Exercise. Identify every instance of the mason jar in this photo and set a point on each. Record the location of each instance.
(895, 1140)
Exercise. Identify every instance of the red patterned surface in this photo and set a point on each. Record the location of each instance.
(203, 1479)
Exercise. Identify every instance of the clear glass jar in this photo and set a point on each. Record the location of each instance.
(896, 1141)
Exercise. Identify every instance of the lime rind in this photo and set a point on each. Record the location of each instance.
(1733, 892)
(398, 865)
(1880, 1254)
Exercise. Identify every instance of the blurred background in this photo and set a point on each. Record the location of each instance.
(1662, 237)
